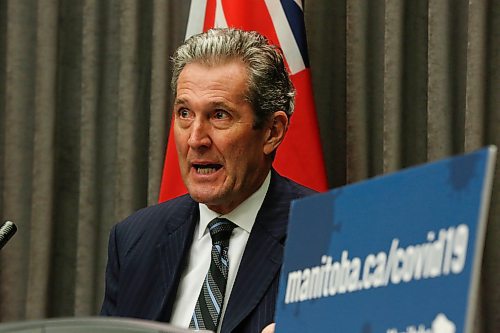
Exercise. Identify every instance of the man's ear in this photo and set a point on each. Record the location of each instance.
(276, 130)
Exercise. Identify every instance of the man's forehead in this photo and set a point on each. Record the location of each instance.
(224, 77)
(216, 64)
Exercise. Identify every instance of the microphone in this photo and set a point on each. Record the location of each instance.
(7, 230)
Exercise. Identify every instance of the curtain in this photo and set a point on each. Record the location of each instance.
(400, 83)
(85, 108)
(83, 105)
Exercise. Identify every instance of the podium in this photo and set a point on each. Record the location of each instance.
(91, 324)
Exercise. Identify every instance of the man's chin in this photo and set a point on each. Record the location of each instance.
(205, 197)
(218, 203)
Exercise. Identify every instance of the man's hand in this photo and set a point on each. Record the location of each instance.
(269, 328)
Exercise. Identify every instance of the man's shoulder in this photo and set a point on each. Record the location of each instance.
(165, 213)
(293, 189)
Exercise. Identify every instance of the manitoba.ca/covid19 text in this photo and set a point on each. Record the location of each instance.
(442, 254)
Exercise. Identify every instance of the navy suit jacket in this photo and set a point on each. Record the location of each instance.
(148, 252)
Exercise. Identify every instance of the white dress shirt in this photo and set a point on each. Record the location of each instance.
(200, 254)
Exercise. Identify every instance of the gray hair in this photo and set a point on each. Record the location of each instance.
(269, 86)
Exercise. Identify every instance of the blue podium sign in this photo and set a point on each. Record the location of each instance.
(399, 253)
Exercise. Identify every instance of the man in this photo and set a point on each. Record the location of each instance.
(233, 101)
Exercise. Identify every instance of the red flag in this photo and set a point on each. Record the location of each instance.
(300, 156)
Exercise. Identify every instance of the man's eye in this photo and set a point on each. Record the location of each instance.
(183, 113)
(221, 115)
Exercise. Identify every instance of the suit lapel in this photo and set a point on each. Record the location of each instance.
(172, 253)
(261, 261)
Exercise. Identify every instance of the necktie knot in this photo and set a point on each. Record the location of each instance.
(220, 230)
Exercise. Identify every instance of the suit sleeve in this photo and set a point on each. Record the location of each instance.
(112, 276)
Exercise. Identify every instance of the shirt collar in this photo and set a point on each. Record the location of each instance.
(243, 216)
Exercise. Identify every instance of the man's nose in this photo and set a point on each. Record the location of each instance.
(199, 136)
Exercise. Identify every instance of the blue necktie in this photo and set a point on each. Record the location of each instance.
(208, 308)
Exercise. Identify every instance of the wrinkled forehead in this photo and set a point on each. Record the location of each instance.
(210, 64)
(226, 78)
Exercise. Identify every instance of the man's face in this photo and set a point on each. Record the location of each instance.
(221, 156)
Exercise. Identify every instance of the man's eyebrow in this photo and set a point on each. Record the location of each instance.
(215, 104)
(180, 101)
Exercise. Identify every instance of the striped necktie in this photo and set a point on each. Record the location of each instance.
(209, 305)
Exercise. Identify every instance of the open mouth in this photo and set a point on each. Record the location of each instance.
(206, 169)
